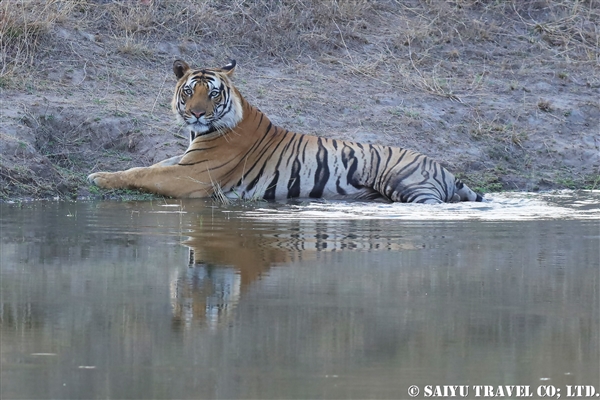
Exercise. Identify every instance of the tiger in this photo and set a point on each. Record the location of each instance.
(236, 152)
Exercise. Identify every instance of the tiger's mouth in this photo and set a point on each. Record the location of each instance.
(197, 129)
(200, 125)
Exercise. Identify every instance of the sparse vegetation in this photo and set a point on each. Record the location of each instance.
(471, 83)
(486, 181)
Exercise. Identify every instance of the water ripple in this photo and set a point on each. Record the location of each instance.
(580, 205)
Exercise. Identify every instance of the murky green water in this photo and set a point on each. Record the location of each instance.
(316, 300)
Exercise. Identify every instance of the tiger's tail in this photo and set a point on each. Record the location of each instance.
(465, 193)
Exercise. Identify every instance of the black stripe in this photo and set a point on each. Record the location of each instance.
(338, 188)
(396, 183)
(195, 135)
(262, 169)
(375, 161)
(202, 149)
(441, 188)
(387, 171)
(224, 164)
(347, 155)
(256, 179)
(194, 163)
(294, 182)
(350, 162)
(293, 185)
(203, 72)
(303, 152)
(251, 149)
(262, 153)
(322, 174)
(410, 193)
(270, 192)
(292, 143)
(210, 139)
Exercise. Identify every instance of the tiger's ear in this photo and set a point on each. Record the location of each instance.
(180, 68)
(229, 68)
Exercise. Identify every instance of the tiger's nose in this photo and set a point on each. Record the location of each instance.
(197, 114)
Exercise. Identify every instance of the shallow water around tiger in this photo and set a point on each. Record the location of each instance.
(189, 299)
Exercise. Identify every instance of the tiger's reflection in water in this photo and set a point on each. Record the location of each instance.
(229, 256)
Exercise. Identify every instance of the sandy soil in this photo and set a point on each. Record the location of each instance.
(495, 94)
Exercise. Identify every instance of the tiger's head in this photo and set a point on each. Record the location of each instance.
(205, 99)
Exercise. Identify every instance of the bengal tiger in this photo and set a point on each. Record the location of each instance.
(237, 152)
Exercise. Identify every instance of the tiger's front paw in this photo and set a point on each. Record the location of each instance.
(105, 180)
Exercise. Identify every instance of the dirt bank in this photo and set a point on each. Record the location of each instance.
(505, 94)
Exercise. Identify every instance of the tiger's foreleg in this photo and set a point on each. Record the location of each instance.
(171, 180)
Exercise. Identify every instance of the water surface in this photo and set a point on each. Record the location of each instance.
(188, 299)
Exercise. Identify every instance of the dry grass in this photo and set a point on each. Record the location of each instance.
(354, 33)
(267, 27)
(24, 25)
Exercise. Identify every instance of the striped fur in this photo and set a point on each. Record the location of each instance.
(236, 151)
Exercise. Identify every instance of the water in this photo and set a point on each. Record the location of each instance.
(185, 299)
